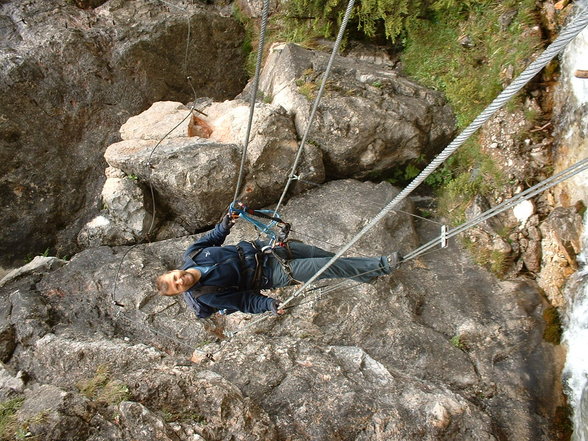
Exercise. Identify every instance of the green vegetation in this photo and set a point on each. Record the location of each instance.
(402, 175)
(500, 42)
(495, 261)
(465, 174)
(460, 342)
(29, 258)
(9, 426)
(13, 428)
(468, 50)
(499, 39)
(250, 34)
(369, 17)
(456, 342)
(308, 89)
(307, 85)
(553, 330)
(102, 389)
(465, 49)
(562, 426)
(184, 417)
(581, 208)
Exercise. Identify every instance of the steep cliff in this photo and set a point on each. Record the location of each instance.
(69, 78)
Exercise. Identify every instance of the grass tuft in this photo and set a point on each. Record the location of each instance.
(9, 426)
(102, 389)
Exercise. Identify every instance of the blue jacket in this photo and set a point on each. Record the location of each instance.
(235, 292)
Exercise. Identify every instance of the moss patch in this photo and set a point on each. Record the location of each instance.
(562, 427)
(553, 329)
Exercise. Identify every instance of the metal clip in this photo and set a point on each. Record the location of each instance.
(443, 236)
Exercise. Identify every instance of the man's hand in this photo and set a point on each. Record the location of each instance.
(228, 221)
(275, 305)
(230, 217)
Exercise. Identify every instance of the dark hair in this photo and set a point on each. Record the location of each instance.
(161, 285)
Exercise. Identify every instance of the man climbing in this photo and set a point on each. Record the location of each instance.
(216, 278)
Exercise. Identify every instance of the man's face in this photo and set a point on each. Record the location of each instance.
(178, 281)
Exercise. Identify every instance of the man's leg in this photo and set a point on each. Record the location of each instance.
(300, 250)
(361, 269)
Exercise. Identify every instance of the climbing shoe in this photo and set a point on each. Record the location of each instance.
(395, 260)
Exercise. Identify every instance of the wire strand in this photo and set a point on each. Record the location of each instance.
(317, 101)
(255, 86)
(570, 32)
(509, 203)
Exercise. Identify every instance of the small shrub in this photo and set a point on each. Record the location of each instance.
(401, 175)
(458, 342)
(439, 178)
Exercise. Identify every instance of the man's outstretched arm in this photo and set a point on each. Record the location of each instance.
(215, 237)
(249, 302)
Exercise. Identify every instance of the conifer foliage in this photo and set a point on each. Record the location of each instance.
(372, 18)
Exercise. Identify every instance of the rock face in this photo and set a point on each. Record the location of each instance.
(370, 118)
(194, 176)
(561, 244)
(437, 350)
(69, 78)
(190, 158)
(570, 116)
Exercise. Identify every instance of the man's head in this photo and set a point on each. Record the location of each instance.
(176, 281)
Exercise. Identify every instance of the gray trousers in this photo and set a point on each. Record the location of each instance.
(304, 261)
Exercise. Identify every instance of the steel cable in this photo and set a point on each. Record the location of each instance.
(317, 100)
(509, 203)
(568, 33)
(255, 86)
